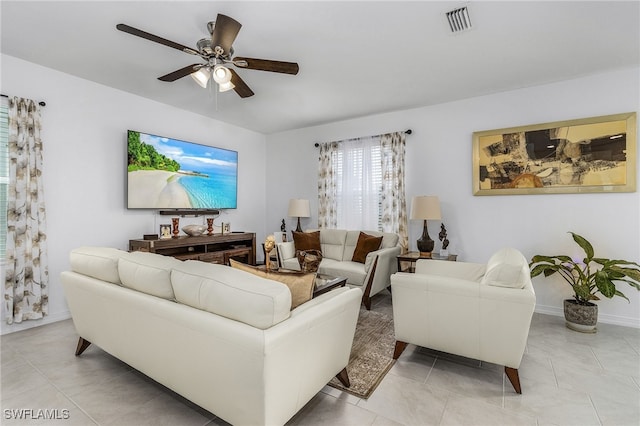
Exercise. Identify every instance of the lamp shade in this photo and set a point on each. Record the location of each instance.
(425, 207)
(299, 208)
(202, 76)
(224, 87)
(221, 74)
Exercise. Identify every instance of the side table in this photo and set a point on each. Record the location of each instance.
(413, 256)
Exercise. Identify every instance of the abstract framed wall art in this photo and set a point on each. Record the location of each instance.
(596, 154)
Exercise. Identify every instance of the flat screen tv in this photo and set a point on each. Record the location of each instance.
(165, 173)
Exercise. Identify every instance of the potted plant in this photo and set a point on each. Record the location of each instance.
(587, 277)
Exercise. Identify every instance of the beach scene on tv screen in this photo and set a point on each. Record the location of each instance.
(169, 173)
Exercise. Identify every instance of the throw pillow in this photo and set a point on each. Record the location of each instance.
(365, 245)
(307, 241)
(301, 285)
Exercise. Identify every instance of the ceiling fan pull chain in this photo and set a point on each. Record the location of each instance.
(214, 83)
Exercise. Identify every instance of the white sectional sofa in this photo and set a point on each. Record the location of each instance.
(470, 309)
(222, 338)
(338, 247)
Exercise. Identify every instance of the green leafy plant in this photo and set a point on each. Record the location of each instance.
(590, 275)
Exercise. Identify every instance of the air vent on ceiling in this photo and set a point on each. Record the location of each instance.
(459, 20)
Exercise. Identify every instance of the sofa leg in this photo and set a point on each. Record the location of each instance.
(366, 299)
(367, 302)
(343, 376)
(400, 346)
(82, 345)
(514, 378)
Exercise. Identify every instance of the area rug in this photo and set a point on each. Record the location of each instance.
(371, 353)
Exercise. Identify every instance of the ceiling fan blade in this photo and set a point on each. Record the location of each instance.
(241, 87)
(267, 65)
(182, 72)
(225, 32)
(136, 32)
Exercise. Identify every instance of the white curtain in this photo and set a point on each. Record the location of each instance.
(327, 196)
(27, 275)
(394, 204)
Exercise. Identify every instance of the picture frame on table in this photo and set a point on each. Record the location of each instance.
(280, 237)
(165, 231)
(596, 154)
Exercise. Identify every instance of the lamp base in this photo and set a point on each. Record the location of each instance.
(426, 254)
(425, 243)
(425, 246)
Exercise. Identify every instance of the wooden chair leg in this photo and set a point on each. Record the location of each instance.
(399, 349)
(514, 378)
(366, 299)
(82, 345)
(343, 376)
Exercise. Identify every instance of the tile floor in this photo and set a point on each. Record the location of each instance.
(568, 378)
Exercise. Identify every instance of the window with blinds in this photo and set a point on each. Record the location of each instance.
(358, 174)
(4, 173)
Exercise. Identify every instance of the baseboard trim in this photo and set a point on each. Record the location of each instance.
(25, 325)
(603, 318)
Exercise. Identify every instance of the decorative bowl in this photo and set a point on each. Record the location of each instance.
(194, 230)
(309, 260)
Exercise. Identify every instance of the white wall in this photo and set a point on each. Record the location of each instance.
(84, 135)
(439, 163)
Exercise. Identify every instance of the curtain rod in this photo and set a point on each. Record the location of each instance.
(41, 103)
(407, 132)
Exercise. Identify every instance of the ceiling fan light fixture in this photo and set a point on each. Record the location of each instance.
(224, 87)
(221, 74)
(202, 76)
(215, 51)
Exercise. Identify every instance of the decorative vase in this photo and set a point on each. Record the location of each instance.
(209, 226)
(175, 222)
(582, 318)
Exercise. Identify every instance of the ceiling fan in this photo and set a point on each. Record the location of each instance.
(217, 52)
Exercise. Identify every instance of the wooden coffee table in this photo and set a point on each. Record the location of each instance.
(323, 283)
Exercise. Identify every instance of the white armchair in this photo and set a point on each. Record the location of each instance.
(468, 309)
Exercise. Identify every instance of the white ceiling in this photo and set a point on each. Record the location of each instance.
(356, 58)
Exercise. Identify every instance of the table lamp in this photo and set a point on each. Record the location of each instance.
(299, 208)
(425, 207)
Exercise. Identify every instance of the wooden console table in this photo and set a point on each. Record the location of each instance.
(217, 248)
